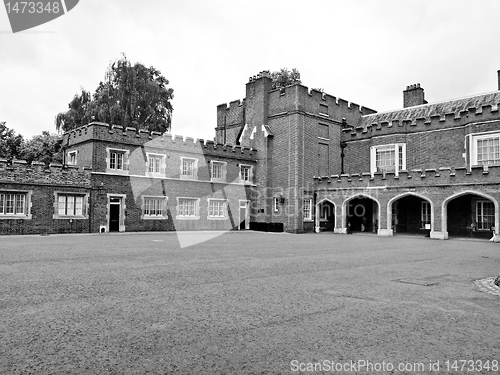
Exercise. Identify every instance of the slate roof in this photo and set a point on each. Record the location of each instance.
(427, 110)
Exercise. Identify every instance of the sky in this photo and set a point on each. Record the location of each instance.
(364, 51)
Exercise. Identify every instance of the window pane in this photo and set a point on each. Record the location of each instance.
(488, 151)
(119, 161)
(307, 209)
(245, 173)
(112, 160)
(188, 167)
(61, 205)
(385, 160)
(2, 203)
(20, 204)
(70, 205)
(9, 203)
(78, 205)
(217, 169)
(485, 215)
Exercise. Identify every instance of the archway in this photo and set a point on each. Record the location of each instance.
(410, 213)
(325, 215)
(362, 214)
(470, 214)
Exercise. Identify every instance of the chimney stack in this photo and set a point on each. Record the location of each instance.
(413, 95)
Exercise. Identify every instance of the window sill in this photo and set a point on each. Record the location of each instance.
(222, 180)
(145, 217)
(67, 217)
(15, 217)
(117, 171)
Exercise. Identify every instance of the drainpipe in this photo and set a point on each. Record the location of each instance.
(343, 145)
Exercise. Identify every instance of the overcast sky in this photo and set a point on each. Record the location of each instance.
(364, 51)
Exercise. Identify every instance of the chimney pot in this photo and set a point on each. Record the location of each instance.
(413, 95)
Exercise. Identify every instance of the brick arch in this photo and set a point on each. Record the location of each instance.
(408, 193)
(359, 195)
(444, 216)
(316, 220)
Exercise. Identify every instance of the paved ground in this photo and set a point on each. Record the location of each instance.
(252, 303)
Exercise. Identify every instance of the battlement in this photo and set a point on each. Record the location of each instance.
(106, 132)
(297, 97)
(156, 141)
(417, 177)
(428, 117)
(19, 171)
(232, 114)
(182, 144)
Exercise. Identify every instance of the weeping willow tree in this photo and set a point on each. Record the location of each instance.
(130, 95)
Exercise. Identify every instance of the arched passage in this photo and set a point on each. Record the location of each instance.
(470, 214)
(410, 213)
(325, 215)
(361, 213)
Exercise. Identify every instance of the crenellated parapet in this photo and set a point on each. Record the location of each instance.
(232, 114)
(156, 142)
(297, 97)
(407, 179)
(19, 171)
(428, 117)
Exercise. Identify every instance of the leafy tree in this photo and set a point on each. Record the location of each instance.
(284, 77)
(10, 142)
(45, 148)
(131, 95)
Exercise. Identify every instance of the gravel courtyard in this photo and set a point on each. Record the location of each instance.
(248, 302)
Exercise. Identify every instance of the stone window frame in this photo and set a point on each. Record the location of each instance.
(69, 157)
(224, 171)
(26, 215)
(125, 161)
(396, 147)
(194, 176)
(474, 138)
(163, 216)
(250, 174)
(163, 165)
(308, 217)
(85, 205)
(225, 209)
(196, 215)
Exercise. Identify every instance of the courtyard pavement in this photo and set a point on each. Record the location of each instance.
(247, 303)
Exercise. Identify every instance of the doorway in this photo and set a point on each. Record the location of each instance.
(244, 217)
(115, 214)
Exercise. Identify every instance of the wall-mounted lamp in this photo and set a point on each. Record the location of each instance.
(282, 199)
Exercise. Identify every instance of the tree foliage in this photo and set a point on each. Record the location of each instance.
(285, 77)
(45, 148)
(131, 95)
(10, 142)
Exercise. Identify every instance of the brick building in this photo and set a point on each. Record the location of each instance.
(289, 159)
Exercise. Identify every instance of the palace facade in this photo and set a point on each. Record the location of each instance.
(288, 159)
